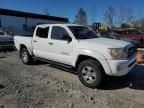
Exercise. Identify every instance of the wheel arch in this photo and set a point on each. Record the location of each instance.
(82, 57)
(24, 46)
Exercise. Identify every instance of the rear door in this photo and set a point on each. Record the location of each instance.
(40, 42)
(60, 45)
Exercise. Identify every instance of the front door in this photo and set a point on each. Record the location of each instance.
(60, 45)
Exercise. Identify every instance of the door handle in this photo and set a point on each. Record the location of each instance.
(50, 43)
(34, 41)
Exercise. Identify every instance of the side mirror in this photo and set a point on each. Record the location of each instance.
(66, 38)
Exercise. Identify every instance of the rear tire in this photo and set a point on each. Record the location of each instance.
(25, 56)
(90, 74)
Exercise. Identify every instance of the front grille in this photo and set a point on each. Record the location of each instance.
(131, 51)
(6, 42)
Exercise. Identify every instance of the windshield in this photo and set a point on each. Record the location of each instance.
(81, 32)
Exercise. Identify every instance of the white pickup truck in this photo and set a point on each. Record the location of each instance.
(78, 47)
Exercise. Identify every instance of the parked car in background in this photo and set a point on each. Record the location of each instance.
(109, 34)
(132, 35)
(6, 41)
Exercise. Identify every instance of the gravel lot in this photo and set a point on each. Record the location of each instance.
(44, 86)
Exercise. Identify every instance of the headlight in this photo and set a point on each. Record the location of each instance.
(117, 53)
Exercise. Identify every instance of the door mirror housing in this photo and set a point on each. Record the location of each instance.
(66, 38)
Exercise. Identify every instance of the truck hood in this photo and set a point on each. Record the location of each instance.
(104, 43)
(101, 45)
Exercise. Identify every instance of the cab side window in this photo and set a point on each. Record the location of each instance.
(42, 32)
(59, 33)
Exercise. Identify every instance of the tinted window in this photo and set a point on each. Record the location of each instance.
(1, 33)
(42, 32)
(81, 32)
(59, 33)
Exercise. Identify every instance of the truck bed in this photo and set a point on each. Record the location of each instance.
(23, 40)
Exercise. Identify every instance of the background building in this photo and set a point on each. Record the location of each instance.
(17, 22)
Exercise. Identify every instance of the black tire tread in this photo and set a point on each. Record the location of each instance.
(30, 59)
(99, 73)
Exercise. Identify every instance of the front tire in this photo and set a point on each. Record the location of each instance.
(25, 56)
(90, 74)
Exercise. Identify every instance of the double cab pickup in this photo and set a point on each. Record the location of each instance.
(79, 48)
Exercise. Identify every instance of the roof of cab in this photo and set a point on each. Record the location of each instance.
(45, 25)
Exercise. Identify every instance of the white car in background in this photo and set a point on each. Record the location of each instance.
(6, 41)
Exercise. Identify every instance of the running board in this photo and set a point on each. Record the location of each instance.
(55, 63)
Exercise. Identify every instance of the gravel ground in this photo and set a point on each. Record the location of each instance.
(45, 86)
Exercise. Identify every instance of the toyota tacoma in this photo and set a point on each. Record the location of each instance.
(78, 47)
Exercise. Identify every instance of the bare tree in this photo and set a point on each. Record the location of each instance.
(139, 24)
(129, 15)
(81, 17)
(93, 13)
(45, 12)
(109, 16)
(126, 15)
(121, 16)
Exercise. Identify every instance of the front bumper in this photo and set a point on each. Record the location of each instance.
(122, 67)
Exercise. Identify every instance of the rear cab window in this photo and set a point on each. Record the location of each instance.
(42, 32)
